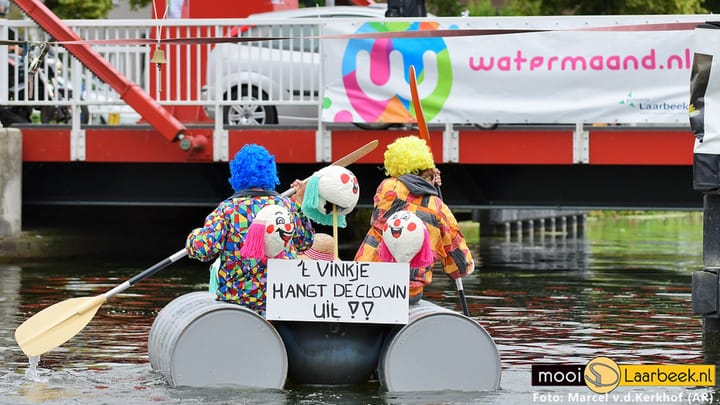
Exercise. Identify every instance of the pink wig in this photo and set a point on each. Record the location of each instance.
(254, 246)
(423, 257)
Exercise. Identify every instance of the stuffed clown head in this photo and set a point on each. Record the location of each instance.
(405, 239)
(269, 233)
(331, 185)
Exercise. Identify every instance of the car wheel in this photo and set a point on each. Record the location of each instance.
(240, 114)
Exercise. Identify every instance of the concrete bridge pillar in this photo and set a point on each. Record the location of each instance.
(10, 182)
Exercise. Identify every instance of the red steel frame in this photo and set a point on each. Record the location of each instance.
(501, 146)
(157, 116)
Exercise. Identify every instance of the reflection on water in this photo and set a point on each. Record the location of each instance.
(623, 291)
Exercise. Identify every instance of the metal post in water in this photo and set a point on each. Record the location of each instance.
(574, 226)
(705, 282)
(541, 226)
(706, 155)
(531, 230)
(484, 219)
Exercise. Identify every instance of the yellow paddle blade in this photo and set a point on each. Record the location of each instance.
(56, 324)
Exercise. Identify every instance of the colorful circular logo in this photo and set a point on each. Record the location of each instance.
(602, 375)
(367, 72)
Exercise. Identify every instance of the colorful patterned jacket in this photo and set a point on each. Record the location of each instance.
(413, 193)
(242, 280)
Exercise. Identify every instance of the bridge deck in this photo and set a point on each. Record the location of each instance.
(603, 167)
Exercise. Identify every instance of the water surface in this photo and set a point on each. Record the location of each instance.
(622, 291)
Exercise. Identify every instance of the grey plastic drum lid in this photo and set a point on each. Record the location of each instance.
(197, 341)
(440, 350)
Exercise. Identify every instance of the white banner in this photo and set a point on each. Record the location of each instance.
(562, 76)
(338, 291)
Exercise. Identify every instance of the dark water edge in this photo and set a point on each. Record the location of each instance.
(67, 232)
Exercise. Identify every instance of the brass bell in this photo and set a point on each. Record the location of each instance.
(158, 57)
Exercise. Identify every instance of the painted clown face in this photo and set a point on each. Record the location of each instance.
(404, 235)
(337, 185)
(279, 228)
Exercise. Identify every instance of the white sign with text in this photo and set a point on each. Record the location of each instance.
(562, 73)
(337, 291)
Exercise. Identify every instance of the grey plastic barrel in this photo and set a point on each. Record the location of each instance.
(439, 350)
(196, 341)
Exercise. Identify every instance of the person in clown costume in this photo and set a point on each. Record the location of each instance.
(412, 186)
(254, 208)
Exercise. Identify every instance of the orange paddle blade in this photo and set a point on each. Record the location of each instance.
(417, 106)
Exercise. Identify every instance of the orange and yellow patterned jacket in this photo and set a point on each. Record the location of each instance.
(413, 193)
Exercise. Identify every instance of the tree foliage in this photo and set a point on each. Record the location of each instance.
(88, 9)
(80, 9)
(592, 7)
(97, 9)
(443, 8)
(624, 6)
(138, 4)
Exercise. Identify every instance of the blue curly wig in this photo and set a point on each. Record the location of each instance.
(253, 167)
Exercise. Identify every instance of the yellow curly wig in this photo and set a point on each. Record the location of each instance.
(408, 154)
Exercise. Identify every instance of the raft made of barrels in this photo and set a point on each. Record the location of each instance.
(196, 341)
(200, 342)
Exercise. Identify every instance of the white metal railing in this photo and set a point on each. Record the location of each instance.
(180, 81)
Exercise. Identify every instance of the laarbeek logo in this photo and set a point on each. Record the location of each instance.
(646, 105)
(602, 375)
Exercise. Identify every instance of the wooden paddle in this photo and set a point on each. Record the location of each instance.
(417, 106)
(336, 251)
(351, 157)
(425, 135)
(57, 323)
(419, 116)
